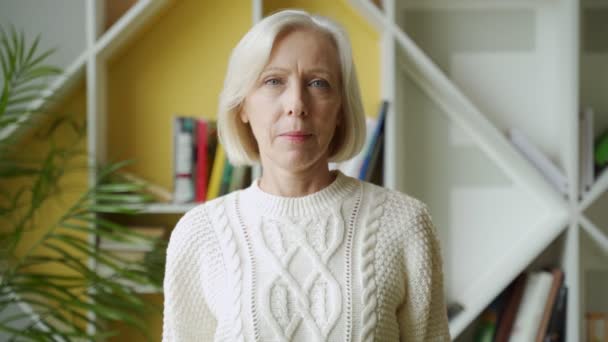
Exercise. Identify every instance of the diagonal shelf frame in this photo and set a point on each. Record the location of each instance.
(128, 26)
(594, 233)
(468, 117)
(599, 187)
(59, 88)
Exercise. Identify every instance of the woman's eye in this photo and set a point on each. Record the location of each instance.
(319, 84)
(272, 81)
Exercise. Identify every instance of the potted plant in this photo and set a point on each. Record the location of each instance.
(36, 302)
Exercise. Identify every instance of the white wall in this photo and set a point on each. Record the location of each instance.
(61, 24)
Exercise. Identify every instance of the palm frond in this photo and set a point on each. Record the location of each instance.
(63, 305)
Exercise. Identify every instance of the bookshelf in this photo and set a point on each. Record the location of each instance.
(459, 75)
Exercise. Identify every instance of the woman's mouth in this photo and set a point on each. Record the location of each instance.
(296, 136)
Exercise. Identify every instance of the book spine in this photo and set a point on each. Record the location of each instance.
(201, 160)
(352, 166)
(601, 150)
(226, 177)
(513, 302)
(558, 276)
(582, 155)
(539, 160)
(238, 178)
(556, 328)
(184, 187)
(216, 173)
(365, 167)
(589, 176)
(530, 311)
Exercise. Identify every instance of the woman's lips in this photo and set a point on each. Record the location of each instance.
(296, 136)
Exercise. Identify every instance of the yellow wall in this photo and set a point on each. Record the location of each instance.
(176, 66)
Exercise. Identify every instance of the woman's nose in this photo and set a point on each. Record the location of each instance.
(295, 102)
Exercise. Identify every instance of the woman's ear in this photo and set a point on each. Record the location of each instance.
(243, 116)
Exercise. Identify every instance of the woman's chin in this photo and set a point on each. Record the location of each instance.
(299, 163)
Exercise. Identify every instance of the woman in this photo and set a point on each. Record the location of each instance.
(303, 253)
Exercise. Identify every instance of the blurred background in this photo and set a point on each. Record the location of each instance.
(494, 113)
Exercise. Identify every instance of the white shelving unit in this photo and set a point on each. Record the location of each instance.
(459, 74)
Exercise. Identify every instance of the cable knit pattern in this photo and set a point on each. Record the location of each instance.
(368, 269)
(351, 262)
(233, 268)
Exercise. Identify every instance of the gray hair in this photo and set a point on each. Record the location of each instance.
(248, 60)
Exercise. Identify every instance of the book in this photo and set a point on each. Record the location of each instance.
(558, 278)
(601, 150)
(352, 166)
(374, 144)
(551, 172)
(530, 312)
(226, 177)
(202, 176)
(184, 160)
(239, 178)
(216, 174)
(512, 303)
(486, 329)
(212, 142)
(586, 151)
(556, 330)
(375, 175)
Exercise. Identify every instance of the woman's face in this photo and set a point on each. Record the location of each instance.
(295, 105)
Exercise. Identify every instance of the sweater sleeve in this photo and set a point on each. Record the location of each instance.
(423, 315)
(186, 315)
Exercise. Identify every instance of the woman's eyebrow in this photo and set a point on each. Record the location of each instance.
(274, 68)
(309, 71)
(323, 71)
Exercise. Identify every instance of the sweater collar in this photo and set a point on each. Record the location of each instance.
(274, 205)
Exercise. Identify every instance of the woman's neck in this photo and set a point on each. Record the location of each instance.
(286, 183)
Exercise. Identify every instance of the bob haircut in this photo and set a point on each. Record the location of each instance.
(247, 62)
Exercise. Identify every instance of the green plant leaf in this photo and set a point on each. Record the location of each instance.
(83, 290)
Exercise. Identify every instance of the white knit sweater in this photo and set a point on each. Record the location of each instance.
(351, 262)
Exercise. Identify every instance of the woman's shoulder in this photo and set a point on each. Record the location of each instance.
(394, 200)
(400, 214)
(196, 221)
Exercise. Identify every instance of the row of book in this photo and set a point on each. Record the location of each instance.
(532, 308)
(592, 162)
(201, 170)
(367, 164)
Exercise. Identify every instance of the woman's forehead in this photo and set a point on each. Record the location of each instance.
(306, 47)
